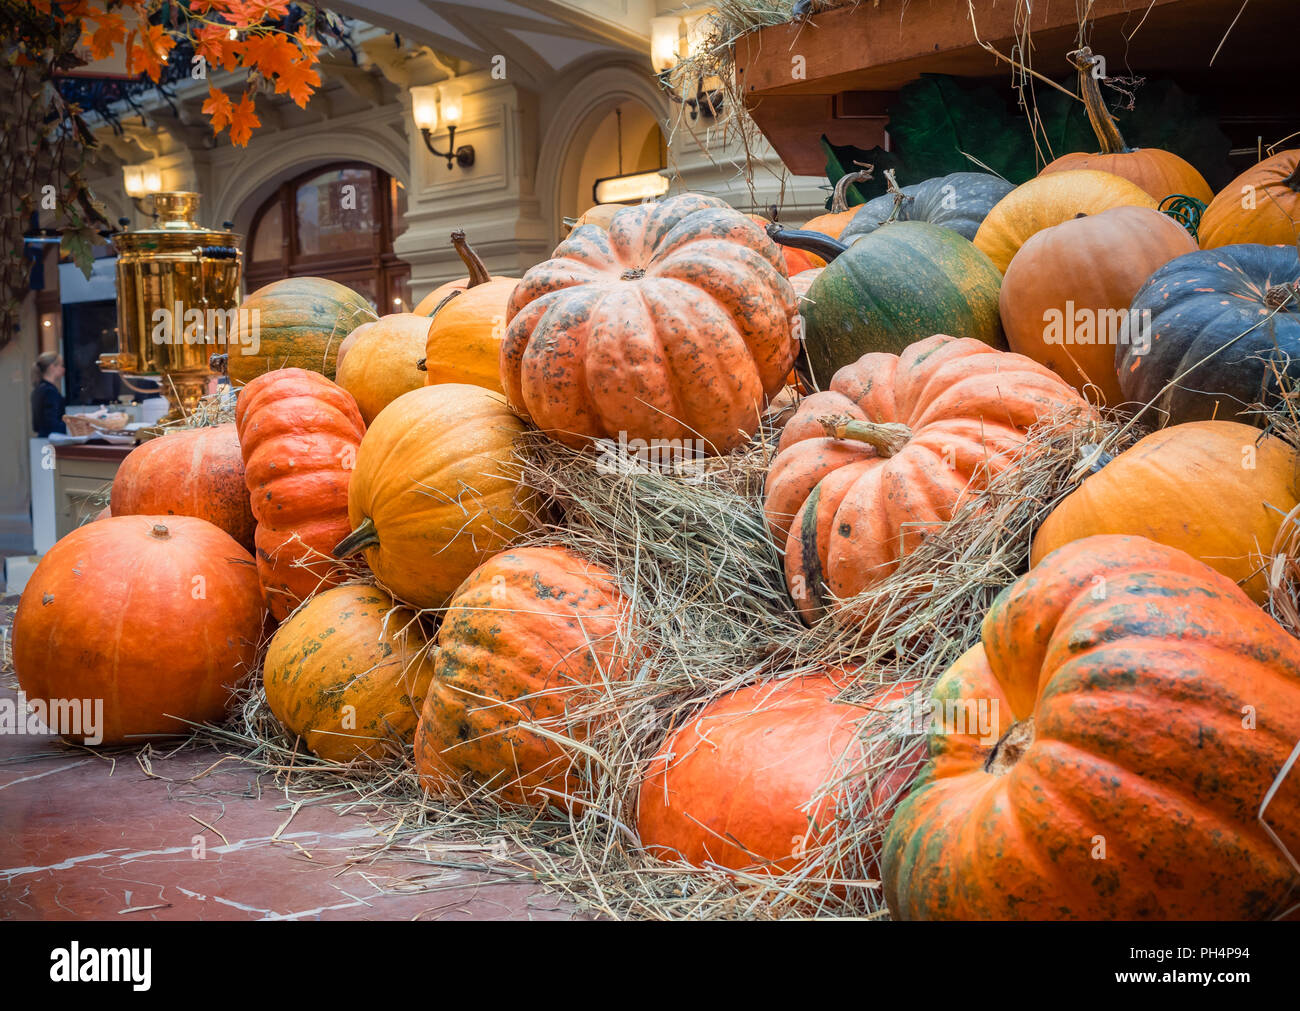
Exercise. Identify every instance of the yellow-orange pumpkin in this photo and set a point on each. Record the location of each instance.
(1218, 490)
(1047, 200)
(434, 493)
(154, 618)
(523, 641)
(1144, 708)
(380, 363)
(1261, 205)
(348, 672)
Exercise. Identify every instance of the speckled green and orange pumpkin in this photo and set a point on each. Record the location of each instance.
(347, 672)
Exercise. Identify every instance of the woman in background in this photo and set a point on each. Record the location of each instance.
(47, 401)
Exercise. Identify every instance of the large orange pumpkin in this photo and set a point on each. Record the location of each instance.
(523, 641)
(1067, 290)
(189, 472)
(155, 617)
(870, 468)
(434, 491)
(477, 274)
(677, 323)
(1144, 708)
(299, 434)
(298, 322)
(463, 344)
(380, 362)
(1261, 205)
(755, 780)
(1218, 490)
(1047, 200)
(347, 672)
(1159, 173)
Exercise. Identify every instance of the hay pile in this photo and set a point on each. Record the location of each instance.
(711, 614)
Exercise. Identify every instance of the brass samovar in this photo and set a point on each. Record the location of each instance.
(177, 295)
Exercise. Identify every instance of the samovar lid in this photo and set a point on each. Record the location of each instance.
(175, 228)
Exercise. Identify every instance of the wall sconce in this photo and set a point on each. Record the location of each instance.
(433, 102)
(141, 181)
(674, 38)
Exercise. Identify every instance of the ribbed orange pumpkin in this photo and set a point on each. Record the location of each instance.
(1064, 296)
(157, 617)
(1048, 200)
(677, 323)
(299, 434)
(381, 362)
(834, 221)
(1261, 205)
(1218, 490)
(434, 492)
(298, 322)
(1159, 173)
(867, 470)
(1145, 707)
(189, 472)
(600, 215)
(738, 786)
(477, 274)
(348, 672)
(523, 640)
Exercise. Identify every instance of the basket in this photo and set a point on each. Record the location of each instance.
(95, 424)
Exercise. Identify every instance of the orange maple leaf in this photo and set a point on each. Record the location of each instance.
(111, 30)
(148, 54)
(270, 54)
(299, 80)
(247, 13)
(214, 44)
(309, 46)
(219, 107)
(243, 120)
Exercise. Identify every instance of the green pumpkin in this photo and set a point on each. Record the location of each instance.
(301, 321)
(901, 283)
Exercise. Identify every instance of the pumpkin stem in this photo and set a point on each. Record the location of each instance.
(887, 438)
(1010, 748)
(1278, 295)
(810, 242)
(632, 274)
(362, 537)
(219, 363)
(891, 186)
(421, 365)
(443, 301)
(840, 195)
(478, 272)
(160, 531)
(1103, 123)
(1292, 182)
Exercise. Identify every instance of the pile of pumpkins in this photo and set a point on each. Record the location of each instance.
(1145, 702)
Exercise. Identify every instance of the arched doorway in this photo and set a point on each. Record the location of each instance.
(622, 137)
(336, 221)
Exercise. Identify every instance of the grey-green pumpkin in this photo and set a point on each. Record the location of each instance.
(897, 285)
(960, 201)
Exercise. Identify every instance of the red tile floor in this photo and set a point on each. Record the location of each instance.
(87, 836)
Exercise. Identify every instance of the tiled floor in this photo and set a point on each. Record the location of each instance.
(84, 837)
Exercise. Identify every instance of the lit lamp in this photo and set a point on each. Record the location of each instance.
(444, 102)
(677, 37)
(628, 189)
(141, 181)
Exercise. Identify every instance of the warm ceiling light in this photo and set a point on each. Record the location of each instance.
(665, 39)
(141, 180)
(625, 189)
(424, 106)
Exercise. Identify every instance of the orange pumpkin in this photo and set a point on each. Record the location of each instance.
(188, 472)
(434, 492)
(676, 324)
(463, 344)
(156, 618)
(755, 780)
(1218, 490)
(1144, 707)
(523, 640)
(299, 434)
(600, 215)
(477, 274)
(1066, 292)
(838, 217)
(1159, 173)
(1048, 200)
(348, 672)
(870, 468)
(381, 363)
(1261, 205)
